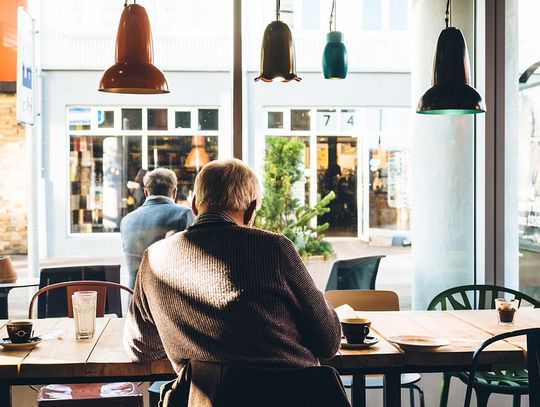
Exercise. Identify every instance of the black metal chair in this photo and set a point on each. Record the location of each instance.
(354, 274)
(507, 381)
(53, 304)
(533, 363)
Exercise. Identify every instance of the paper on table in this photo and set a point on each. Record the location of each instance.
(345, 311)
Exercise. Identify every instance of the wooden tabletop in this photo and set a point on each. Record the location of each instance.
(103, 356)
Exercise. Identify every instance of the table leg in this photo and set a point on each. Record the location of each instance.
(358, 390)
(5, 394)
(4, 304)
(392, 389)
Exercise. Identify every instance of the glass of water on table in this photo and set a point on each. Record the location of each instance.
(84, 313)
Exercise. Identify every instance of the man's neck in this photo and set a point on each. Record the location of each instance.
(237, 216)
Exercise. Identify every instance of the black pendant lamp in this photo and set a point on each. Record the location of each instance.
(134, 71)
(334, 60)
(451, 93)
(277, 53)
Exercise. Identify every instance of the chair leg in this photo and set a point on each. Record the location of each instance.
(445, 388)
(411, 396)
(516, 400)
(482, 397)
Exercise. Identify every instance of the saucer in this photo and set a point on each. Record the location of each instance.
(418, 343)
(8, 345)
(370, 341)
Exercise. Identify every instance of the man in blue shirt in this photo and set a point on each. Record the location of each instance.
(157, 218)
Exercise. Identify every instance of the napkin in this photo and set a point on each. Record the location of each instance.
(345, 311)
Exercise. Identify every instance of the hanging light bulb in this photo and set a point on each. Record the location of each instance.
(334, 61)
(451, 93)
(134, 70)
(277, 53)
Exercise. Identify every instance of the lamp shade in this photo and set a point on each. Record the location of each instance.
(334, 61)
(197, 158)
(134, 70)
(451, 93)
(7, 271)
(277, 54)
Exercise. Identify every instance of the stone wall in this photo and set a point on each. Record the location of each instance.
(13, 179)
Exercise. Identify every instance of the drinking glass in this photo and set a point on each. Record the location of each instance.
(84, 313)
(506, 311)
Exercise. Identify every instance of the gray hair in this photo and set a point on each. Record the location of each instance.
(160, 181)
(227, 185)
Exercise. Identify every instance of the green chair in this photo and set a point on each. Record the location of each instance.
(512, 381)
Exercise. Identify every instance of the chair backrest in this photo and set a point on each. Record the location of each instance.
(354, 274)
(101, 287)
(364, 300)
(533, 363)
(53, 303)
(224, 385)
(477, 297)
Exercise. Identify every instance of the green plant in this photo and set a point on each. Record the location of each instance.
(280, 211)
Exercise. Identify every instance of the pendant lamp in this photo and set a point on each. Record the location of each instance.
(334, 61)
(197, 157)
(277, 53)
(134, 71)
(451, 93)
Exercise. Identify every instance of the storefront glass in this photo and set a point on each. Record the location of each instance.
(108, 158)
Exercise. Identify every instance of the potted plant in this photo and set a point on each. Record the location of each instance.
(283, 213)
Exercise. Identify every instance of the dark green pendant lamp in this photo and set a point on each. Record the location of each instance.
(451, 93)
(277, 53)
(334, 60)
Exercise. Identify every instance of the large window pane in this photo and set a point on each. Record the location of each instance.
(371, 18)
(100, 168)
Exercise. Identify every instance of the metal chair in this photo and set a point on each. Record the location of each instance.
(354, 274)
(53, 304)
(533, 364)
(375, 300)
(88, 394)
(506, 381)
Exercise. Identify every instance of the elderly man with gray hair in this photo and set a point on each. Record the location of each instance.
(157, 218)
(222, 291)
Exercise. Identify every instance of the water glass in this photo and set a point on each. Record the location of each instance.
(506, 311)
(84, 313)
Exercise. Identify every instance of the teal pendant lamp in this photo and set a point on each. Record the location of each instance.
(277, 53)
(451, 93)
(334, 60)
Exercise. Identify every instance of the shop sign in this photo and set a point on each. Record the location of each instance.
(25, 67)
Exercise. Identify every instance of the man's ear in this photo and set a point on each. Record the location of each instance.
(146, 193)
(249, 213)
(194, 207)
(173, 193)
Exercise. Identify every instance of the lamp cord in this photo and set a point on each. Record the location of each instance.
(447, 14)
(332, 16)
(277, 10)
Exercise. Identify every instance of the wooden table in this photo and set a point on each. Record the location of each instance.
(102, 358)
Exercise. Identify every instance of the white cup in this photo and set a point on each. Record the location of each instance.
(84, 313)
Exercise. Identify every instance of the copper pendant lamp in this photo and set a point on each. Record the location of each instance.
(134, 71)
(451, 93)
(277, 53)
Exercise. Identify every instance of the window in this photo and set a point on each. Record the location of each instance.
(398, 15)
(311, 14)
(371, 16)
(108, 159)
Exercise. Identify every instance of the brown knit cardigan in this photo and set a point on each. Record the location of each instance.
(219, 292)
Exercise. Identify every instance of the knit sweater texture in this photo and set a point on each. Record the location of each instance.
(219, 292)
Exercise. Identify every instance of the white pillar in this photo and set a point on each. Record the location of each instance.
(442, 219)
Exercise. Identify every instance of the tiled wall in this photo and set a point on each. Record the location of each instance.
(13, 179)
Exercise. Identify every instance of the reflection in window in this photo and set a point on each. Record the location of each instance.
(157, 119)
(337, 171)
(131, 119)
(208, 119)
(79, 118)
(182, 120)
(105, 119)
(275, 120)
(185, 155)
(300, 120)
(100, 168)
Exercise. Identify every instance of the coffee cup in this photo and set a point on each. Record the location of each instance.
(19, 331)
(355, 329)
